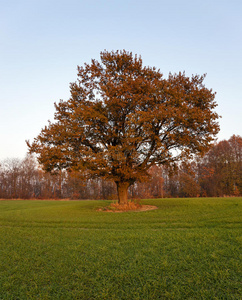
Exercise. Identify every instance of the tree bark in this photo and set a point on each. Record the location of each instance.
(122, 188)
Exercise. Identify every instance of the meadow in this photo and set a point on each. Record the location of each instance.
(186, 249)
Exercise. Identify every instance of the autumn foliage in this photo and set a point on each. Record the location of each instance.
(123, 118)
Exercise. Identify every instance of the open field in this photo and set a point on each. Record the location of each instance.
(187, 249)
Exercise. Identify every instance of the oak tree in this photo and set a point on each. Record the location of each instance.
(122, 118)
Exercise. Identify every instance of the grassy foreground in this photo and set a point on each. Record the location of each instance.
(187, 249)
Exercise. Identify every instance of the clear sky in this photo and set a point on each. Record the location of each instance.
(42, 42)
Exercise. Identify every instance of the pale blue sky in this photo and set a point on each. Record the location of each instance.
(42, 42)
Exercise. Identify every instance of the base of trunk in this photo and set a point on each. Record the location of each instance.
(122, 188)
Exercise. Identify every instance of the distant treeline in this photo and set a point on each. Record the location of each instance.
(218, 173)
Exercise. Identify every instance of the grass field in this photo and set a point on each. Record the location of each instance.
(187, 249)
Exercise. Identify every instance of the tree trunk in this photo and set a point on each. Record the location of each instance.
(122, 188)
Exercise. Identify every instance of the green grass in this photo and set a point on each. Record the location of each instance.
(187, 249)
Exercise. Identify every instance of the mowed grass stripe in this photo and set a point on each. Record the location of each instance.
(187, 249)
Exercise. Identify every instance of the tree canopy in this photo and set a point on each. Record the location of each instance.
(122, 118)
